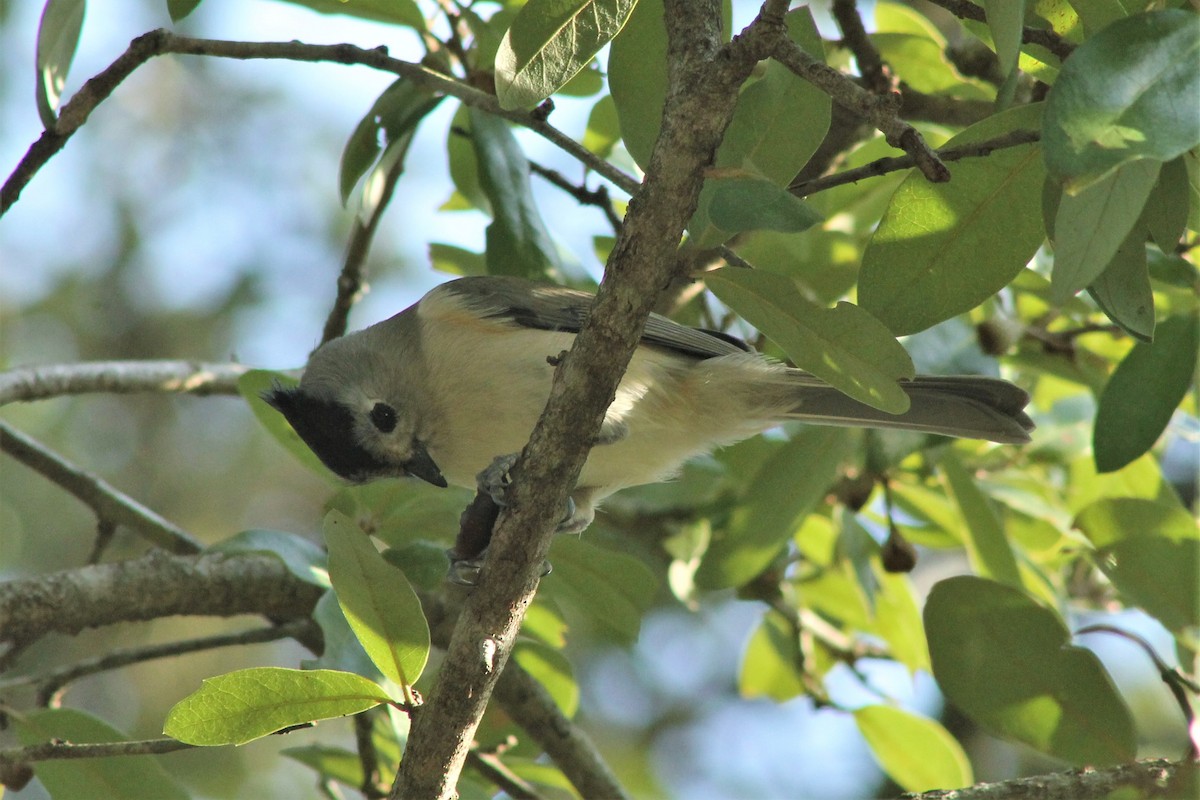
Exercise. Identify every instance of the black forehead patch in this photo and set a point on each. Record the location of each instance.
(327, 428)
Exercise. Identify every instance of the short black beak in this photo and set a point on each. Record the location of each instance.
(420, 465)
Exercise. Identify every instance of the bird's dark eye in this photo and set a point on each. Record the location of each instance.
(383, 417)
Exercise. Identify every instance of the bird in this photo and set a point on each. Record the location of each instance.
(443, 389)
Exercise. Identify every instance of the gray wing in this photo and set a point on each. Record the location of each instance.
(556, 308)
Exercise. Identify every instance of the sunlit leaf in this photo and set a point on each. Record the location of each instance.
(378, 601)
(58, 37)
(1008, 664)
(251, 703)
(991, 554)
(552, 670)
(843, 345)
(400, 12)
(610, 591)
(549, 42)
(770, 663)
(916, 752)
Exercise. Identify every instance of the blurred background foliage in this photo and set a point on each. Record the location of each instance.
(197, 216)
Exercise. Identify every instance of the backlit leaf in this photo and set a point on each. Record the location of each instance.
(916, 752)
(58, 37)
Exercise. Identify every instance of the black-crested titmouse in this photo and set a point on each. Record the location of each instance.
(443, 388)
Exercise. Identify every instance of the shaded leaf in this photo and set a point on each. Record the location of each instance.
(1009, 665)
(378, 601)
(1166, 211)
(843, 345)
(178, 9)
(637, 78)
(1127, 93)
(1123, 290)
(936, 253)
(1144, 391)
(58, 37)
(391, 121)
(456, 260)
(251, 386)
(93, 778)
(746, 204)
(917, 753)
(987, 546)
(549, 42)
(303, 558)
(251, 703)
(610, 590)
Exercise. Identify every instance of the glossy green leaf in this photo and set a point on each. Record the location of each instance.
(1144, 391)
(1123, 290)
(1166, 211)
(987, 546)
(58, 37)
(378, 601)
(517, 240)
(747, 204)
(549, 42)
(784, 490)
(397, 12)
(251, 386)
(842, 345)
(637, 78)
(303, 558)
(552, 670)
(1091, 225)
(607, 590)
(91, 778)
(1009, 664)
(1151, 552)
(936, 253)
(178, 9)
(770, 664)
(603, 128)
(392, 120)
(251, 703)
(917, 753)
(1126, 93)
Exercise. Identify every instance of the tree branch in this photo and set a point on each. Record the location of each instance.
(110, 505)
(52, 751)
(883, 166)
(1149, 779)
(118, 377)
(97, 89)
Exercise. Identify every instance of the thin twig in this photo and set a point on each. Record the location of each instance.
(76, 112)
(53, 751)
(964, 9)
(51, 685)
(875, 72)
(883, 166)
(108, 503)
(597, 197)
(118, 377)
(372, 785)
(493, 769)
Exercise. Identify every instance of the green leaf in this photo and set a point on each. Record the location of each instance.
(1150, 551)
(637, 78)
(93, 778)
(917, 753)
(303, 558)
(1009, 665)
(251, 703)
(517, 240)
(343, 651)
(609, 590)
(1144, 391)
(397, 12)
(549, 42)
(603, 128)
(1125, 94)
(1123, 290)
(1091, 225)
(747, 204)
(1006, 18)
(843, 345)
(331, 763)
(770, 665)
(1166, 211)
(58, 38)
(788, 485)
(464, 166)
(936, 253)
(251, 386)
(552, 670)
(456, 260)
(987, 546)
(391, 122)
(178, 9)
(378, 601)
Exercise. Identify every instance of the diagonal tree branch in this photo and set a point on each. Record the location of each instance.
(119, 377)
(110, 504)
(159, 42)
